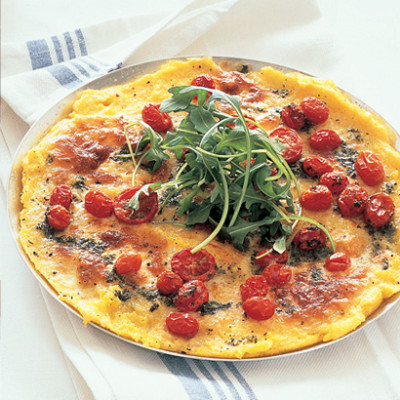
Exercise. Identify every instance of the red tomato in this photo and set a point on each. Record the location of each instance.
(325, 140)
(61, 195)
(338, 262)
(168, 282)
(267, 257)
(293, 117)
(352, 201)
(128, 263)
(310, 238)
(370, 168)
(191, 296)
(160, 122)
(184, 325)
(259, 308)
(98, 204)
(291, 139)
(248, 123)
(200, 265)
(148, 207)
(379, 210)
(58, 217)
(315, 110)
(254, 286)
(316, 198)
(316, 166)
(277, 275)
(203, 80)
(334, 181)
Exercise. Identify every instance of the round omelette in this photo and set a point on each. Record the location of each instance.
(211, 210)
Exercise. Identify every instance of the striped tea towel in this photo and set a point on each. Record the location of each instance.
(39, 72)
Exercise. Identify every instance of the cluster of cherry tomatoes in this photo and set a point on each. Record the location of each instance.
(101, 205)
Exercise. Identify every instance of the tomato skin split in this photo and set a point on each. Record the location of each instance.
(277, 275)
(379, 210)
(189, 266)
(147, 209)
(316, 166)
(270, 257)
(254, 286)
(259, 308)
(58, 217)
(191, 296)
(315, 110)
(61, 195)
(292, 140)
(310, 238)
(336, 182)
(317, 198)
(169, 282)
(184, 325)
(98, 204)
(128, 263)
(352, 201)
(369, 168)
(293, 117)
(325, 140)
(160, 122)
(338, 262)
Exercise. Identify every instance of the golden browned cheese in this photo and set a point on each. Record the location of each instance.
(316, 306)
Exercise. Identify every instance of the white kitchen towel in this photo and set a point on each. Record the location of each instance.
(35, 74)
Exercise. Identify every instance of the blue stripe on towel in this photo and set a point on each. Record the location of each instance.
(39, 53)
(204, 371)
(193, 386)
(57, 48)
(80, 68)
(81, 42)
(89, 64)
(227, 381)
(70, 45)
(64, 76)
(241, 380)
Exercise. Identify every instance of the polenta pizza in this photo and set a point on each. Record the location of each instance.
(211, 210)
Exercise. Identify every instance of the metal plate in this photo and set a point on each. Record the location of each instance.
(61, 110)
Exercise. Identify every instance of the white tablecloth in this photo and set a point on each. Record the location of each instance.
(357, 44)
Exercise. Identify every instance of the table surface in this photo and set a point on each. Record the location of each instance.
(365, 40)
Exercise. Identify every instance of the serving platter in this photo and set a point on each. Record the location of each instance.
(62, 108)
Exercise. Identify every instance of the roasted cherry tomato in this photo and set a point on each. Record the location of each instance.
(293, 117)
(316, 166)
(191, 296)
(325, 140)
(379, 210)
(169, 282)
(160, 122)
(259, 308)
(352, 201)
(58, 217)
(128, 263)
(317, 198)
(315, 110)
(148, 206)
(269, 256)
(310, 238)
(334, 181)
(277, 275)
(254, 286)
(181, 324)
(248, 123)
(291, 139)
(61, 195)
(200, 265)
(369, 168)
(338, 262)
(98, 204)
(204, 80)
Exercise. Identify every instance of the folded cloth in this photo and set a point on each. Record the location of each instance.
(37, 73)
